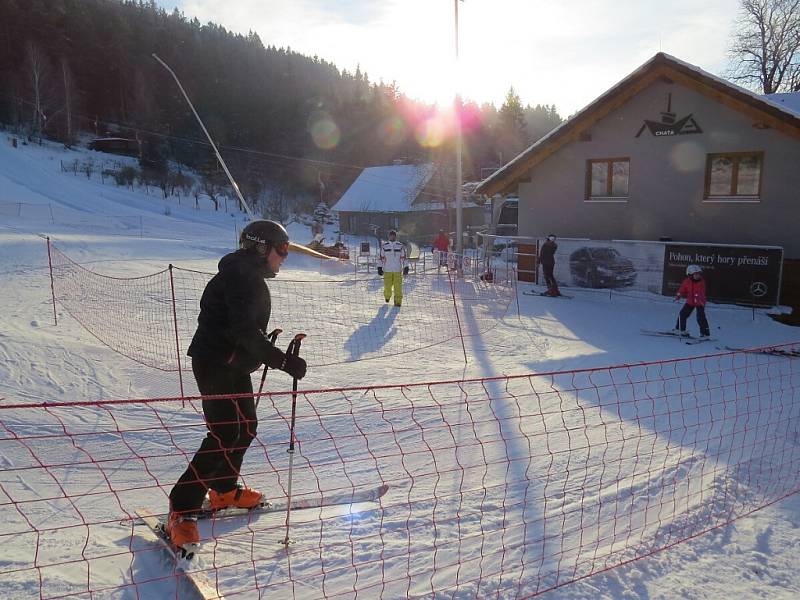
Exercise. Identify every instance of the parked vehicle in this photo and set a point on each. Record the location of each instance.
(505, 213)
(601, 268)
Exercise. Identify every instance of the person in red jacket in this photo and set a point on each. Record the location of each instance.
(693, 289)
(442, 244)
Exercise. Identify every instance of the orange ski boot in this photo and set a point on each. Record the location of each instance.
(183, 534)
(240, 497)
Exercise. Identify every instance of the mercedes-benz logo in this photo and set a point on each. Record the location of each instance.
(758, 289)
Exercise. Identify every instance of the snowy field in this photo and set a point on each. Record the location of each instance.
(126, 233)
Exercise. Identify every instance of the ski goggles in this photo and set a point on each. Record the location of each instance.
(282, 249)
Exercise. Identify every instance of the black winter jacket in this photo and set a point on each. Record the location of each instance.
(234, 314)
(547, 253)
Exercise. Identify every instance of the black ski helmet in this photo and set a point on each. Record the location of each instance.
(267, 233)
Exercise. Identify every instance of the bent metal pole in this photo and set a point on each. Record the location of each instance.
(210, 141)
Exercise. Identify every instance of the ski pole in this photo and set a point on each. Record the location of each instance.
(294, 350)
(271, 338)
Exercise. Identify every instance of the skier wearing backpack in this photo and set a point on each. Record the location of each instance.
(693, 289)
(229, 344)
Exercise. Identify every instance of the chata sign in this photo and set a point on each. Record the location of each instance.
(669, 126)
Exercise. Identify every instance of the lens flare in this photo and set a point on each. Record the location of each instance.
(430, 132)
(324, 131)
(392, 131)
(688, 156)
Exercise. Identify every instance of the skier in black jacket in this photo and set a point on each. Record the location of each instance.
(229, 344)
(547, 258)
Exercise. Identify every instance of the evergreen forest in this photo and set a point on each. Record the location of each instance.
(283, 121)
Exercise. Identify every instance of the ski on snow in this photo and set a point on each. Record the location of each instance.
(692, 341)
(326, 500)
(770, 351)
(543, 295)
(664, 333)
(337, 499)
(686, 338)
(198, 581)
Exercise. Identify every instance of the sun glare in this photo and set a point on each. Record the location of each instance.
(435, 84)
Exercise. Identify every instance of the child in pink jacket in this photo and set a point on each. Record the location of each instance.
(693, 289)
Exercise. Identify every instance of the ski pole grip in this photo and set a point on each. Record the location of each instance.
(294, 346)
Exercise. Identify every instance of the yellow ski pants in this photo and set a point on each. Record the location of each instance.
(393, 280)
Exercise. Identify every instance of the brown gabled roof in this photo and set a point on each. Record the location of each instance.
(661, 67)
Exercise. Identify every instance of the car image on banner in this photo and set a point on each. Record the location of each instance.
(601, 268)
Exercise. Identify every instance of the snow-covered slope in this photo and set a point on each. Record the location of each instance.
(126, 233)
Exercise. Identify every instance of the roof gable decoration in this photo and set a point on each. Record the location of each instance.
(391, 188)
(669, 126)
(774, 112)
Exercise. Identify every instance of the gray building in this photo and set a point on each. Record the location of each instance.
(415, 199)
(669, 152)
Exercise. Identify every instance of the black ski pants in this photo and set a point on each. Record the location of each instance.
(232, 425)
(549, 278)
(701, 318)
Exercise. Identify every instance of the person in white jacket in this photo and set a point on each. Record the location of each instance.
(393, 259)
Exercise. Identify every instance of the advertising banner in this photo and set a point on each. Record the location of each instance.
(618, 265)
(734, 274)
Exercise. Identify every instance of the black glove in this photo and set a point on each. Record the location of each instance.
(380, 270)
(294, 366)
(405, 270)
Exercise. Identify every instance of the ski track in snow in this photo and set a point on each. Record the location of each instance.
(754, 557)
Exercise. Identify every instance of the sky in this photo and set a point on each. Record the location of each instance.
(562, 52)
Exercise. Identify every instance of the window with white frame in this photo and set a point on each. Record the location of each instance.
(734, 176)
(607, 179)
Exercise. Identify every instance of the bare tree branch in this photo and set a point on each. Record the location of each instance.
(39, 72)
(765, 48)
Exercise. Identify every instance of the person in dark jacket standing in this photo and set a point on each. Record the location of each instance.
(230, 343)
(547, 258)
(693, 289)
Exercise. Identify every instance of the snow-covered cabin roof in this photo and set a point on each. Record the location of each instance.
(790, 100)
(391, 188)
(774, 113)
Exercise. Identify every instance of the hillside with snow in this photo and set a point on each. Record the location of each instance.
(126, 233)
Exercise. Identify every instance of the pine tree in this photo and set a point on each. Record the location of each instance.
(512, 134)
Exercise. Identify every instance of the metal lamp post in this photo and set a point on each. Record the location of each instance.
(457, 111)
